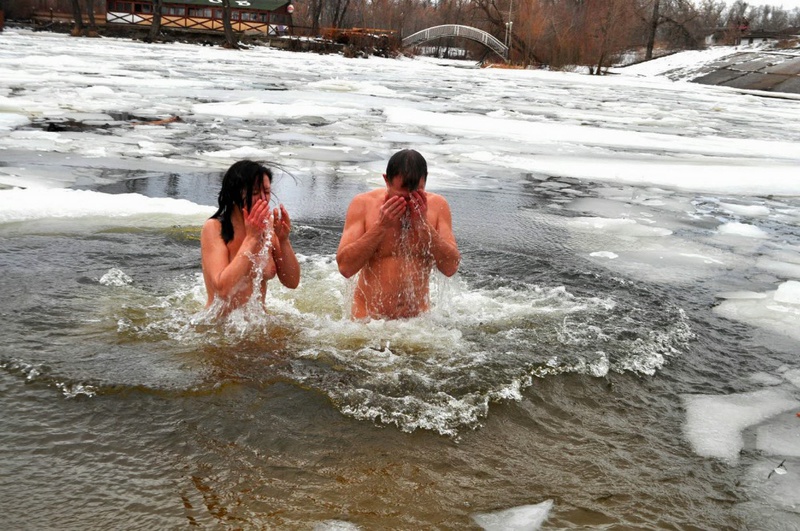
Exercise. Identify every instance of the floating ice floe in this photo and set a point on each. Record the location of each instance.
(522, 518)
(741, 229)
(29, 204)
(714, 424)
(776, 311)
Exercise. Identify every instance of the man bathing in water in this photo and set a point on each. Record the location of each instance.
(232, 240)
(394, 236)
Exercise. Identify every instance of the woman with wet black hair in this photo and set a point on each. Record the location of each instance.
(243, 242)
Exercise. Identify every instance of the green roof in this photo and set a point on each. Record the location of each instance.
(264, 5)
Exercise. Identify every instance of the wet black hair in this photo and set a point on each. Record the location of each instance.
(409, 165)
(237, 190)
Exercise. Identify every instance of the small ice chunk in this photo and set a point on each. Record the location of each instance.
(746, 210)
(335, 525)
(741, 229)
(765, 379)
(778, 317)
(714, 423)
(741, 295)
(522, 518)
(9, 121)
(788, 292)
(705, 259)
(621, 226)
(604, 254)
(780, 268)
(780, 437)
(793, 377)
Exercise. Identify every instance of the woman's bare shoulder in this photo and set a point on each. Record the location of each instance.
(211, 227)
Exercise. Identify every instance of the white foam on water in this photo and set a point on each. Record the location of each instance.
(115, 277)
(43, 203)
(429, 372)
(522, 518)
(776, 311)
(714, 423)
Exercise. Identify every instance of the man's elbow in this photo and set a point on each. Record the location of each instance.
(450, 267)
(346, 270)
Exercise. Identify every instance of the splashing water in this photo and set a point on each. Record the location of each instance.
(439, 371)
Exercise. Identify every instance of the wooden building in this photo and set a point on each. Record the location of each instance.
(268, 17)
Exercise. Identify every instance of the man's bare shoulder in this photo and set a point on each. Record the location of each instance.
(369, 199)
(436, 201)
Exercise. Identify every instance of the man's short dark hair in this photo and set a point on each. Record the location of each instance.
(409, 165)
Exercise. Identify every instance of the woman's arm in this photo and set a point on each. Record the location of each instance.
(282, 252)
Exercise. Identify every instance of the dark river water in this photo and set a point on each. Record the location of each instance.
(539, 375)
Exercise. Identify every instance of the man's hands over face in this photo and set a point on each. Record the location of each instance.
(395, 207)
(418, 205)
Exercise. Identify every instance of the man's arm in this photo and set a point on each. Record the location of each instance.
(443, 241)
(358, 244)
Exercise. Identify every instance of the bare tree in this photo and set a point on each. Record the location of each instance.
(606, 31)
(316, 15)
(339, 12)
(230, 37)
(77, 15)
(155, 25)
(653, 28)
(92, 32)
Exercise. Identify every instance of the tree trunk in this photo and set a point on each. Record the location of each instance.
(230, 38)
(90, 14)
(651, 36)
(341, 12)
(77, 29)
(155, 26)
(316, 15)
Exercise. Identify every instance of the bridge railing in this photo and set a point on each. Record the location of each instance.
(457, 30)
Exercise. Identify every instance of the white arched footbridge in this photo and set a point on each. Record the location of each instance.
(456, 30)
